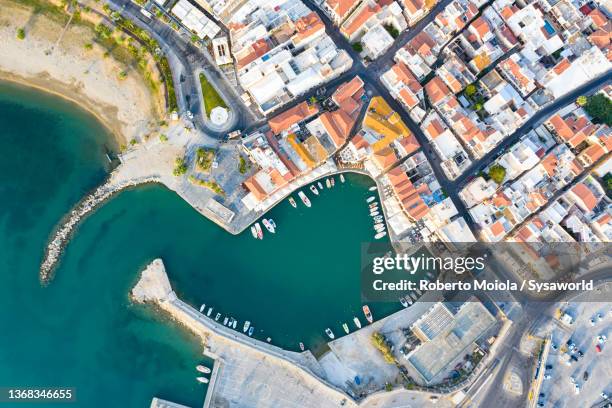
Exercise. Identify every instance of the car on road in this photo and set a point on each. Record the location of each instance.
(601, 339)
(598, 348)
(576, 389)
(585, 376)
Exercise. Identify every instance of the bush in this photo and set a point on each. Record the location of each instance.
(180, 167)
(582, 100)
(242, 167)
(357, 47)
(470, 90)
(163, 137)
(497, 173)
(88, 46)
(393, 32)
(599, 107)
(388, 387)
(21, 33)
(123, 75)
(380, 343)
(204, 158)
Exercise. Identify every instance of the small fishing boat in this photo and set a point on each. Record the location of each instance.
(292, 202)
(202, 307)
(373, 188)
(225, 321)
(380, 235)
(320, 185)
(370, 199)
(304, 199)
(374, 213)
(378, 218)
(272, 223)
(314, 189)
(259, 231)
(345, 327)
(302, 346)
(254, 231)
(341, 178)
(374, 205)
(246, 326)
(413, 296)
(203, 380)
(403, 301)
(367, 313)
(418, 292)
(379, 228)
(235, 324)
(269, 339)
(330, 333)
(333, 182)
(357, 322)
(251, 330)
(268, 225)
(327, 183)
(408, 300)
(209, 311)
(203, 369)
(217, 317)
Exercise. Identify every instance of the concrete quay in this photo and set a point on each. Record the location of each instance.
(247, 372)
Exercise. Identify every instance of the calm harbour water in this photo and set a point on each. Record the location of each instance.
(82, 331)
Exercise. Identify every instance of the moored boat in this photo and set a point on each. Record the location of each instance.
(235, 324)
(345, 327)
(320, 185)
(259, 231)
(330, 333)
(268, 225)
(403, 301)
(302, 346)
(357, 322)
(370, 199)
(304, 199)
(217, 317)
(251, 330)
(333, 182)
(202, 307)
(378, 218)
(314, 189)
(292, 202)
(367, 313)
(374, 213)
(225, 321)
(209, 311)
(246, 326)
(374, 205)
(341, 178)
(203, 380)
(327, 183)
(380, 235)
(272, 223)
(203, 369)
(373, 188)
(254, 231)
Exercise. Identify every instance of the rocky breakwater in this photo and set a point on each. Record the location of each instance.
(63, 232)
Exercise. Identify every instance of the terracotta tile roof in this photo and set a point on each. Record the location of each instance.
(598, 18)
(361, 16)
(481, 27)
(434, 128)
(341, 7)
(348, 93)
(292, 116)
(497, 229)
(594, 152)
(562, 66)
(436, 90)
(410, 144)
(254, 187)
(404, 74)
(338, 125)
(561, 127)
(408, 98)
(585, 195)
(307, 26)
(384, 157)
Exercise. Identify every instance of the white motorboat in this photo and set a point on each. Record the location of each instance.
(251, 330)
(314, 189)
(373, 188)
(327, 183)
(203, 380)
(378, 218)
(374, 205)
(272, 223)
(403, 301)
(292, 202)
(254, 231)
(203, 369)
(225, 321)
(202, 307)
(330, 333)
(304, 199)
(380, 235)
(246, 326)
(269, 226)
(302, 346)
(370, 199)
(345, 327)
(367, 313)
(357, 322)
(341, 177)
(259, 231)
(320, 185)
(374, 213)
(209, 311)
(217, 317)
(235, 324)
(413, 296)
(333, 182)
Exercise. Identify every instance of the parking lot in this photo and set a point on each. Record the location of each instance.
(578, 370)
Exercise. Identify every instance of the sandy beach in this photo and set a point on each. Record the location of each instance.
(126, 106)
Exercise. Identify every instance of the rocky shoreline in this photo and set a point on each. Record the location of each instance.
(63, 232)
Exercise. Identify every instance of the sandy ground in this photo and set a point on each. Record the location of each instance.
(125, 106)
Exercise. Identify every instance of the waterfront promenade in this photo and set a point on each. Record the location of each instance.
(247, 372)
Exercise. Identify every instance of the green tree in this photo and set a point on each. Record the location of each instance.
(497, 173)
(88, 46)
(21, 33)
(163, 137)
(599, 107)
(380, 343)
(388, 387)
(470, 90)
(180, 167)
(357, 47)
(582, 100)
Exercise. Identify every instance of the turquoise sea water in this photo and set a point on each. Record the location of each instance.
(82, 331)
